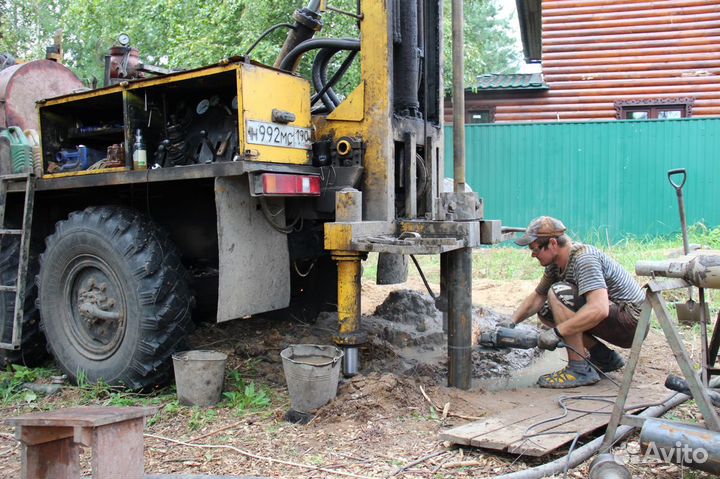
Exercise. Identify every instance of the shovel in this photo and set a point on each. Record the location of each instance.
(688, 312)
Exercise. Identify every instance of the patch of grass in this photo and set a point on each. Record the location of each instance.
(12, 380)
(200, 417)
(245, 396)
(95, 392)
(316, 460)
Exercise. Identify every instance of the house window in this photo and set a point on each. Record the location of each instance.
(480, 115)
(659, 109)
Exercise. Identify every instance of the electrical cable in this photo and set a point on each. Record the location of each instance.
(422, 275)
(266, 33)
(303, 275)
(592, 365)
(269, 215)
(586, 451)
(563, 403)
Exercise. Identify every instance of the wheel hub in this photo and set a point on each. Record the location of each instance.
(94, 304)
(97, 307)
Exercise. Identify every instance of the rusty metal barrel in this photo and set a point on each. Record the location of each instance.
(21, 86)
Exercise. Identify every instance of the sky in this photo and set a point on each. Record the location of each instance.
(509, 9)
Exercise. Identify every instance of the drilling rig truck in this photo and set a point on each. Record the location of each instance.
(237, 188)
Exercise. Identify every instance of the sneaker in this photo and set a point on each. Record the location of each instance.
(607, 362)
(568, 378)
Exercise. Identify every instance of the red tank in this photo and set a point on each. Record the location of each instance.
(23, 85)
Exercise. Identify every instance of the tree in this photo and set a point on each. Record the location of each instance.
(489, 43)
(28, 26)
(189, 34)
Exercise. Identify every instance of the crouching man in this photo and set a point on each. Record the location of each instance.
(583, 295)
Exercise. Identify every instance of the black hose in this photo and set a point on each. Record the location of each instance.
(315, 43)
(319, 77)
(338, 74)
(335, 78)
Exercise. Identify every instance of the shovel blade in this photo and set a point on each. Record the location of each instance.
(689, 312)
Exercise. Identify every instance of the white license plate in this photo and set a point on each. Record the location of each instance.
(273, 134)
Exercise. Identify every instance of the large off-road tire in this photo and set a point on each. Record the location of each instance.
(114, 297)
(32, 345)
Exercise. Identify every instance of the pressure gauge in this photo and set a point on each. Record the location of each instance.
(124, 39)
(202, 106)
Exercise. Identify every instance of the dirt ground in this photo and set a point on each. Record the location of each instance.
(381, 424)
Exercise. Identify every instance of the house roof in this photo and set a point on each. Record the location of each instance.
(515, 81)
(530, 18)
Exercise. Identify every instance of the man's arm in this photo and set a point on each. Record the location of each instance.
(596, 308)
(530, 305)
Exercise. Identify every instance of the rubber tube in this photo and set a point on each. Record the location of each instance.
(327, 87)
(324, 79)
(319, 65)
(341, 43)
(584, 453)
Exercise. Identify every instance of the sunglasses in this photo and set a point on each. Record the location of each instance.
(537, 249)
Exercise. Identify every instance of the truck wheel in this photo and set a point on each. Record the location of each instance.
(32, 347)
(114, 297)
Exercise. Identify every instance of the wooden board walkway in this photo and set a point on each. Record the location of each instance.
(536, 410)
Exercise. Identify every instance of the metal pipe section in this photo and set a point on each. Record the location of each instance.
(458, 277)
(607, 466)
(349, 336)
(702, 271)
(683, 444)
(348, 208)
(307, 22)
(458, 96)
(406, 63)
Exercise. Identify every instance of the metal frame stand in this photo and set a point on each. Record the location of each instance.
(655, 302)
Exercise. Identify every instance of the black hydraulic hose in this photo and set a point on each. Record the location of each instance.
(319, 77)
(315, 43)
(338, 74)
(341, 71)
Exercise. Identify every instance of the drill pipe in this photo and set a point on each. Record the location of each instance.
(702, 271)
(458, 276)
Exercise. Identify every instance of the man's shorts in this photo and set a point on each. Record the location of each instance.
(618, 328)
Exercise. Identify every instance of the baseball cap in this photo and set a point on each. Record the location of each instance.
(542, 227)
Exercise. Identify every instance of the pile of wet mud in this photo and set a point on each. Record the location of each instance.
(405, 338)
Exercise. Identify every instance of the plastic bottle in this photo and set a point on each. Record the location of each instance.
(139, 152)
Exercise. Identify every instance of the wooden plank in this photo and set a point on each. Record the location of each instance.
(81, 416)
(575, 423)
(507, 430)
(33, 435)
(514, 437)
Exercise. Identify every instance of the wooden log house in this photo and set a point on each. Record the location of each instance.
(606, 60)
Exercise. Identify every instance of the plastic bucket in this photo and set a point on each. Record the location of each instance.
(312, 372)
(199, 377)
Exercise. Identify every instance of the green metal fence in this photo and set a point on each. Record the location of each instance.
(605, 180)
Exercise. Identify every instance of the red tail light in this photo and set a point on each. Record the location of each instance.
(275, 184)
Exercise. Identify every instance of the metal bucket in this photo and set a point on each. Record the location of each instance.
(312, 372)
(199, 377)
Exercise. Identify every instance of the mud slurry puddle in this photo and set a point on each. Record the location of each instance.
(407, 338)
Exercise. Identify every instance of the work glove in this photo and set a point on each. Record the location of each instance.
(506, 323)
(549, 339)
